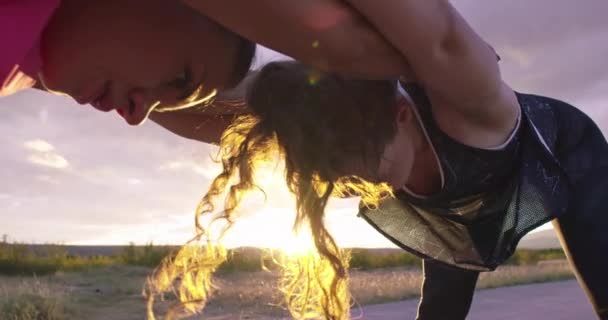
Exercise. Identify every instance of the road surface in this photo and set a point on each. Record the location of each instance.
(562, 300)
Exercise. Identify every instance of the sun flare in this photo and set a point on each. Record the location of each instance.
(297, 243)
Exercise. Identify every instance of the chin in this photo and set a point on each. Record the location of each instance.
(48, 83)
(243, 62)
(398, 183)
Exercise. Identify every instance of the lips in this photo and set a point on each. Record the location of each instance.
(100, 102)
(135, 114)
(126, 112)
(91, 95)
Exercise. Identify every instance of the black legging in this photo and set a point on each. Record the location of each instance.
(583, 230)
(447, 292)
(584, 237)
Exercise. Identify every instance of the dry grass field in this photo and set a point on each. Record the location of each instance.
(115, 292)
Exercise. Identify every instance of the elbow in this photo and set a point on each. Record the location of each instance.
(354, 47)
(444, 38)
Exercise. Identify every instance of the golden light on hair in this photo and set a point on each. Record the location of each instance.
(371, 193)
(314, 277)
(43, 84)
(187, 274)
(307, 278)
(195, 99)
(299, 243)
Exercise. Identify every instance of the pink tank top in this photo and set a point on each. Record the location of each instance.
(21, 24)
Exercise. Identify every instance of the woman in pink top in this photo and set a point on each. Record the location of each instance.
(120, 55)
(133, 56)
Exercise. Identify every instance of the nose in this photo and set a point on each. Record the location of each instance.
(142, 101)
(138, 105)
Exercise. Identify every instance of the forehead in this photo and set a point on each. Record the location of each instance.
(363, 166)
(159, 21)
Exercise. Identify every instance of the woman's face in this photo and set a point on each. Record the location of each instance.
(397, 160)
(126, 55)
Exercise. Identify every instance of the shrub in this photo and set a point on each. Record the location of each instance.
(524, 257)
(33, 300)
(365, 259)
(146, 256)
(20, 259)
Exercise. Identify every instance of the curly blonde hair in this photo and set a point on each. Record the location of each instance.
(319, 125)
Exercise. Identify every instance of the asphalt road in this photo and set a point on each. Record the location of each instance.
(562, 300)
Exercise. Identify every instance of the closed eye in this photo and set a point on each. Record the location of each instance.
(192, 93)
(184, 83)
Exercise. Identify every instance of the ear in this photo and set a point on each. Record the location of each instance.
(404, 113)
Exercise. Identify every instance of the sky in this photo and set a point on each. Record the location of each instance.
(69, 174)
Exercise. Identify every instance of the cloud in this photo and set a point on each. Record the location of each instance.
(49, 159)
(48, 179)
(158, 231)
(134, 181)
(38, 145)
(519, 56)
(549, 47)
(207, 169)
(45, 154)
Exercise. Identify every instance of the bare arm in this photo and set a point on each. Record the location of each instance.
(457, 67)
(327, 34)
(199, 127)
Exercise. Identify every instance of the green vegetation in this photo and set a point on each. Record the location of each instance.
(32, 306)
(23, 259)
(20, 259)
(33, 300)
(363, 259)
(146, 256)
(530, 257)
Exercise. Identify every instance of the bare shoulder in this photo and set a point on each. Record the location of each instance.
(475, 128)
(458, 69)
